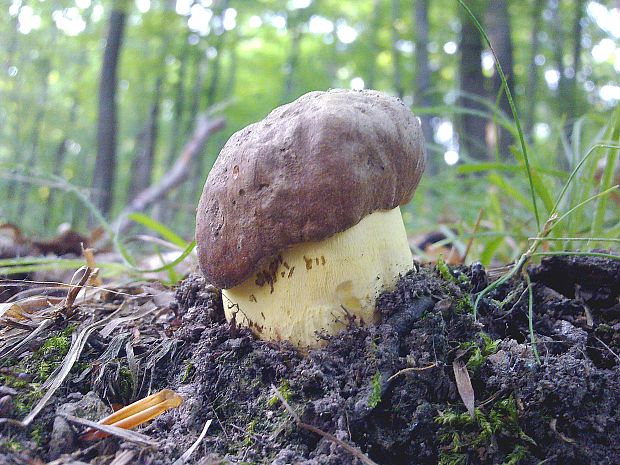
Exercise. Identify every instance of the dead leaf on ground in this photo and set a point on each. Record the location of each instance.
(463, 384)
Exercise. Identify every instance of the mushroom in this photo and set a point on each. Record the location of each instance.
(299, 221)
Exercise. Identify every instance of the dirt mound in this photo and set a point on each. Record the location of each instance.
(390, 391)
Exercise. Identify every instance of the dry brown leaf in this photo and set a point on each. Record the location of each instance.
(463, 384)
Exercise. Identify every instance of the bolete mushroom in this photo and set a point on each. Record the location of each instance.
(299, 220)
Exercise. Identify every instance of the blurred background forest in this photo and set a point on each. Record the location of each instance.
(101, 99)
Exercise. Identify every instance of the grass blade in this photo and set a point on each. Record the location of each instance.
(513, 108)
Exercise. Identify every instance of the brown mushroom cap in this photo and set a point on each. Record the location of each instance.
(310, 169)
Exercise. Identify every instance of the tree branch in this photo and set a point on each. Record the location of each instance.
(205, 127)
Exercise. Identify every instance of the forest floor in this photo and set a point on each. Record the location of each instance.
(391, 394)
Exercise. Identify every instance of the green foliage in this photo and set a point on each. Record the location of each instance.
(461, 435)
(375, 393)
(48, 124)
(188, 373)
(444, 271)
(285, 391)
(37, 435)
(479, 351)
(55, 347)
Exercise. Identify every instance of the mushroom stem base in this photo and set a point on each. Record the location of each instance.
(321, 286)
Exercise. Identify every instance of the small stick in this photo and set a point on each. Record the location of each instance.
(407, 370)
(73, 293)
(300, 424)
(608, 348)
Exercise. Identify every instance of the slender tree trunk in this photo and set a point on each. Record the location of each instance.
(59, 163)
(398, 85)
(558, 45)
(215, 72)
(31, 158)
(215, 67)
(142, 164)
(291, 63)
(232, 70)
(473, 128)
(422, 79)
(558, 48)
(198, 77)
(571, 103)
(105, 164)
(498, 28)
(532, 81)
(373, 47)
(199, 163)
(179, 106)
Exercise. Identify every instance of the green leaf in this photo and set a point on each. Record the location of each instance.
(159, 228)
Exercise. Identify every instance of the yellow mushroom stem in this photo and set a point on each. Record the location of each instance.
(320, 286)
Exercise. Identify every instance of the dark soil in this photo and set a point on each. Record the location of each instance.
(389, 390)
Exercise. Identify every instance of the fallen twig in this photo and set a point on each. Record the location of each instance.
(407, 370)
(67, 306)
(608, 348)
(205, 127)
(300, 424)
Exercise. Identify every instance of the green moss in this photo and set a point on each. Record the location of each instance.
(480, 351)
(375, 394)
(444, 271)
(55, 347)
(285, 392)
(125, 382)
(464, 305)
(25, 400)
(13, 382)
(188, 373)
(12, 444)
(248, 440)
(460, 434)
(37, 435)
(45, 369)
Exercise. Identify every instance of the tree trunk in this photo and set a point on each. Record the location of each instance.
(498, 28)
(142, 164)
(105, 163)
(422, 80)
(179, 106)
(215, 67)
(31, 159)
(558, 45)
(291, 63)
(231, 81)
(571, 102)
(473, 128)
(59, 162)
(178, 172)
(532, 81)
(398, 86)
(373, 47)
